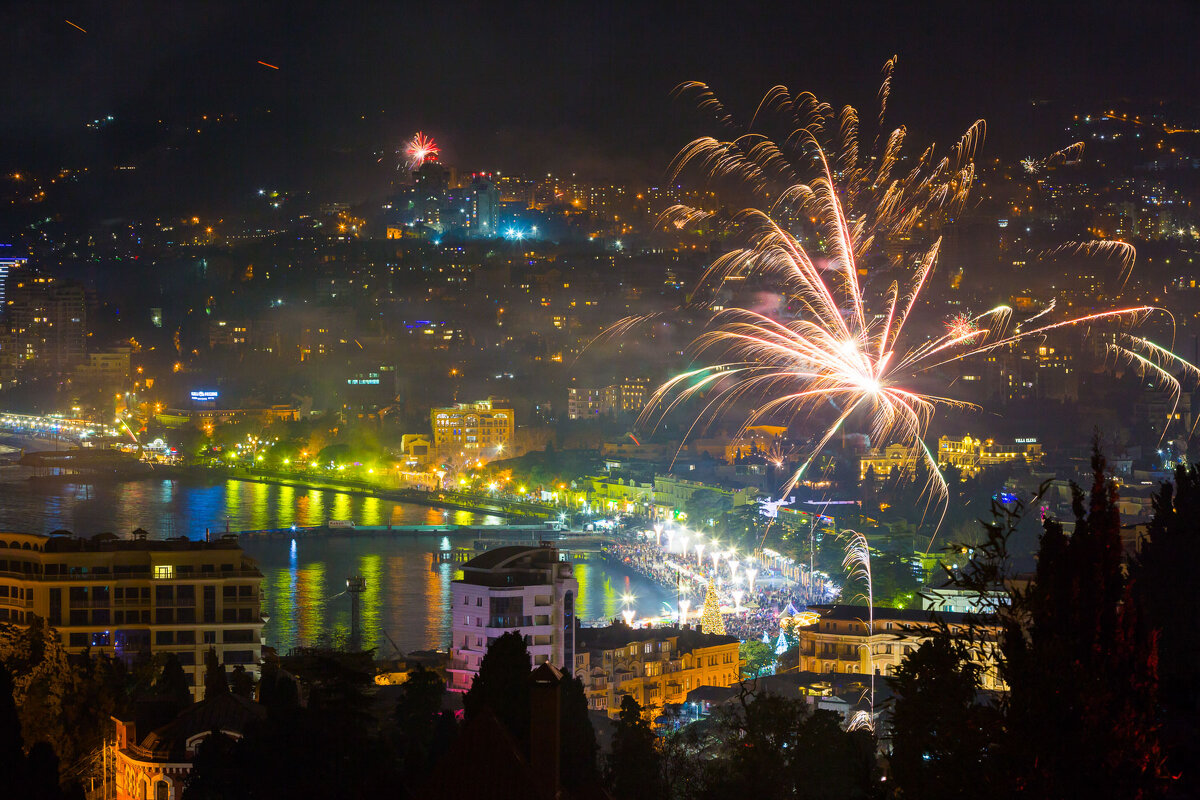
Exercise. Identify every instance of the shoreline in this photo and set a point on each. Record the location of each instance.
(212, 476)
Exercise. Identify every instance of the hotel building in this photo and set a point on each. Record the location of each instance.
(842, 641)
(473, 427)
(655, 666)
(131, 596)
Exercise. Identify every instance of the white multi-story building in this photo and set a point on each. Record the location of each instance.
(518, 588)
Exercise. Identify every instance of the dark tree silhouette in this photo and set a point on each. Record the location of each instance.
(420, 723)
(276, 689)
(1082, 678)
(1079, 656)
(635, 766)
(32, 776)
(217, 770)
(1165, 583)
(173, 684)
(330, 748)
(939, 731)
(772, 747)
(503, 686)
(1165, 577)
(828, 763)
(242, 682)
(215, 682)
(12, 755)
(578, 746)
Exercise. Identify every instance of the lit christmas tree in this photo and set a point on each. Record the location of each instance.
(711, 620)
(781, 645)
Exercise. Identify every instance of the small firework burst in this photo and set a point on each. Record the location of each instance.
(962, 326)
(419, 150)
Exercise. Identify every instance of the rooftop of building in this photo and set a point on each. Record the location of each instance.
(110, 542)
(513, 557)
(619, 635)
(853, 613)
(852, 689)
(227, 712)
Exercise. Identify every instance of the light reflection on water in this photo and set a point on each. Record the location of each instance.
(178, 508)
(404, 598)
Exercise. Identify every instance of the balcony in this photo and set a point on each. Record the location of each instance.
(122, 576)
(197, 576)
(14, 602)
(80, 605)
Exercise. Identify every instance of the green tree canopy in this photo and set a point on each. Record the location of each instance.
(758, 656)
(705, 505)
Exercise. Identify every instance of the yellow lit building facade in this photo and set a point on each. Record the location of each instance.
(895, 458)
(473, 427)
(966, 453)
(970, 455)
(841, 641)
(655, 666)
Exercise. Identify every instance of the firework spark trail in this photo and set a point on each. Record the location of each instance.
(1156, 365)
(1106, 248)
(890, 205)
(858, 561)
(621, 327)
(835, 349)
(1049, 307)
(1068, 155)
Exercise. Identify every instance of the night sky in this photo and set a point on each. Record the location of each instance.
(525, 86)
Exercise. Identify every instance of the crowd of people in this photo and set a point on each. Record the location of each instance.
(760, 607)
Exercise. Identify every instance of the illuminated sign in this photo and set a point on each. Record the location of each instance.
(1026, 441)
(204, 395)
